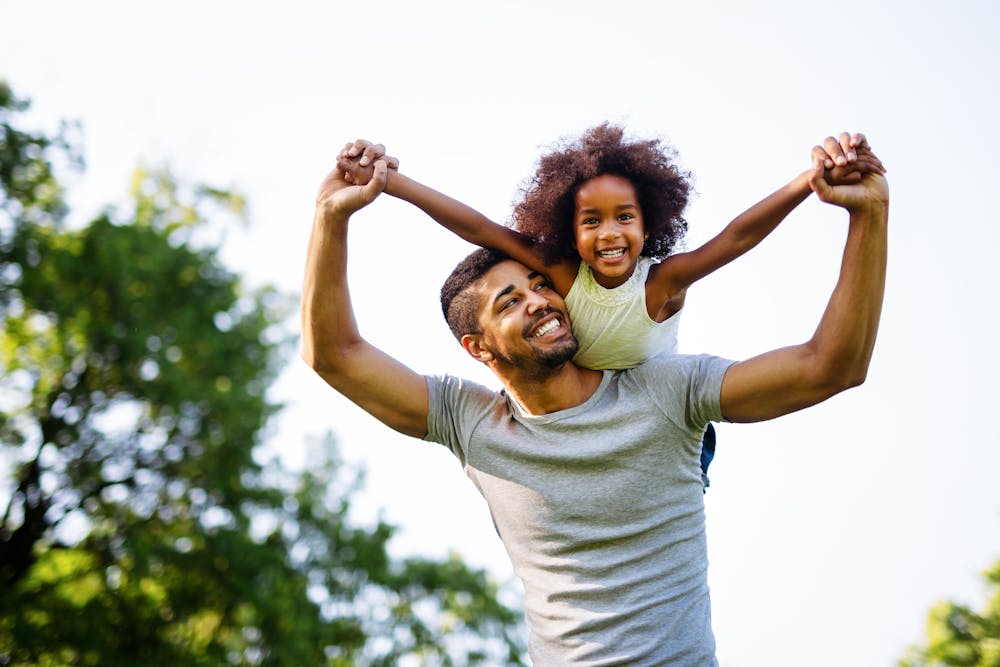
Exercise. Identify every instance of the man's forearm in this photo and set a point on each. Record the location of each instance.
(845, 337)
(328, 325)
(331, 342)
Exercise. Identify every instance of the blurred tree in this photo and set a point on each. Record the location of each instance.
(137, 527)
(958, 636)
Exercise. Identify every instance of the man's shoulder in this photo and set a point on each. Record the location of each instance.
(676, 370)
(447, 390)
(678, 363)
(688, 385)
(458, 383)
(457, 406)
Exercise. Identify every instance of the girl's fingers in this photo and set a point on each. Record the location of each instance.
(819, 153)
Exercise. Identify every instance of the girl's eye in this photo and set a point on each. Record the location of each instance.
(588, 221)
(625, 217)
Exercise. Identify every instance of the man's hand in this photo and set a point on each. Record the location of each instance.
(339, 196)
(870, 190)
(846, 173)
(847, 158)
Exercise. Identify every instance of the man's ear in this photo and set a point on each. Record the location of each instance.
(476, 347)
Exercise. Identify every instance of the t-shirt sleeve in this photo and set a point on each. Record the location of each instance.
(688, 385)
(455, 407)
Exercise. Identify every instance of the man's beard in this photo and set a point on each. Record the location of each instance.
(556, 357)
(548, 358)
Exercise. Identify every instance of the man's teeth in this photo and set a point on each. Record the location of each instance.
(547, 327)
(611, 254)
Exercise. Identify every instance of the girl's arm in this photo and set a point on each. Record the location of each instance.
(469, 224)
(669, 280)
(743, 233)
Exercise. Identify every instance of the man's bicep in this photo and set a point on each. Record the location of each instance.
(383, 387)
(772, 384)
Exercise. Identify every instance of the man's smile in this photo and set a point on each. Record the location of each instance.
(548, 323)
(547, 327)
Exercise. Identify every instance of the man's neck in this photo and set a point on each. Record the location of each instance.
(559, 389)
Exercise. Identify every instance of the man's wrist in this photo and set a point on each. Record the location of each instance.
(871, 211)
(330, 216)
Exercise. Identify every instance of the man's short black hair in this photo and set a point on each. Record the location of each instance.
(459, 302)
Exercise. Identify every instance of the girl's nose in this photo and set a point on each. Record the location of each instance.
(609, 232)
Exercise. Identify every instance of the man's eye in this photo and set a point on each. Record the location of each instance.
(508, 303)
(543, 285)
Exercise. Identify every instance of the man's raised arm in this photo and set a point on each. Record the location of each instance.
(837, 356)
(331, 342)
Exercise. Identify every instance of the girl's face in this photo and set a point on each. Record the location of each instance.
(608, 228)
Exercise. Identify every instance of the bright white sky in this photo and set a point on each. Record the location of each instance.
(830, 531)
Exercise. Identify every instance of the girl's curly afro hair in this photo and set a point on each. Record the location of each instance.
(546, 210)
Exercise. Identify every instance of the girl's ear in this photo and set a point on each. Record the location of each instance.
(476, 347)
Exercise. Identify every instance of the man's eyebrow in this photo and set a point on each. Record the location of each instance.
(510, 288)
(532, 275)
(502, 293)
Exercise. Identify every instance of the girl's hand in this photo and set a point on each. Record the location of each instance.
(353, 170)
(357, 160)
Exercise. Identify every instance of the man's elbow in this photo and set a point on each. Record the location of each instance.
(326, 363)
(857, 378)
(838, 376)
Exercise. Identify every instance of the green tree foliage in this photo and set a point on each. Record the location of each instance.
(960, 637)
(137, 526)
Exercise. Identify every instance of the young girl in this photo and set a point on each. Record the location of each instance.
(600, 218)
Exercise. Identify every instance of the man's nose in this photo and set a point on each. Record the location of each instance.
(537, 302)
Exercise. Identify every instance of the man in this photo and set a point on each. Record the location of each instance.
(592, 477)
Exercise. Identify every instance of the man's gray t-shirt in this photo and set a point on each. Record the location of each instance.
(600, 507)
